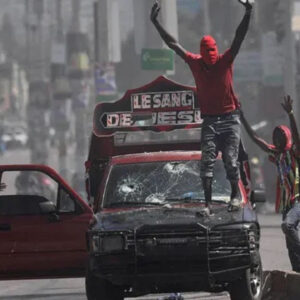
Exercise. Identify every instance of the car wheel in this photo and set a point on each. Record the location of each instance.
(249, 287)
(99, 289)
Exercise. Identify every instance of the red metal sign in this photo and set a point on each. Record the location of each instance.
(162, 105)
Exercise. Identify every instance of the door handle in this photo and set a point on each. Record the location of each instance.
(5, 227)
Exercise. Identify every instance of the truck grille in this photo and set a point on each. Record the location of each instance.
(228, 249)
(190, 248)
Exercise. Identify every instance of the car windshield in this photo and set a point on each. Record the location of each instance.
(159, 183)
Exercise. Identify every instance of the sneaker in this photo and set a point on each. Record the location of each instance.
(234, 204)
(206, 212)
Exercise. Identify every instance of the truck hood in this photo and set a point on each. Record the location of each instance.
(134, 218)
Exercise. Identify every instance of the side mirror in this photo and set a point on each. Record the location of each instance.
(258, 196)
(47, 207)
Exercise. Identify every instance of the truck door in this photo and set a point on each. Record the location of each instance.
(43, 225)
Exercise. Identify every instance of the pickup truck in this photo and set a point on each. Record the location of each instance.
(144, 228)
(150, 233)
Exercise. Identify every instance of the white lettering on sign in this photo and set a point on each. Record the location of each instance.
(198, 116)
(166, 101)
(135, 100)
(167, 117)
(166, 108)
(125, 120)
(112, 120)
(175, 100)
(118, 120)
(148, 101)
(183, 117)
(156, 100)
(176, 117)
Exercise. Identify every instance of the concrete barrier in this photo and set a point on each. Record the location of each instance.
(281, 285)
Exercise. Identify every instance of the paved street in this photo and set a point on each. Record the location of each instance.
(71, 289)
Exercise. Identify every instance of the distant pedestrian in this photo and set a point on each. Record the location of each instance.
(213, 75)
(285, 154)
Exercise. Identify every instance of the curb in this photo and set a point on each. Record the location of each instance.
(281, 285)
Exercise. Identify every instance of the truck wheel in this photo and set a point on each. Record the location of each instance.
(249, 287)
(100, 289)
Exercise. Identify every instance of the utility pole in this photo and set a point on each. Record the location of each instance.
(61, 92)
(289, 66)
(78, 70)
(75, 24)
(39, 94)
(107, 30)
(96, 32)
(27, 27)
(107, 48)
(145, 35)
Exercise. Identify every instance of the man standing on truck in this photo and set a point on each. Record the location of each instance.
(285, 154)
(218, 103)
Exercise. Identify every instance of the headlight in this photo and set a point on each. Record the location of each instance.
(107, 243)
(112, 243)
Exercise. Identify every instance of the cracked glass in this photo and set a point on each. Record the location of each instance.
(159, 183)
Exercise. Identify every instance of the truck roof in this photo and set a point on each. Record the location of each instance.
(156, 156)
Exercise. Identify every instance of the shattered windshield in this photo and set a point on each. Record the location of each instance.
(159, 183)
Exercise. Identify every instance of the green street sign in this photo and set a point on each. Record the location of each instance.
(157, 59)
(106, 98)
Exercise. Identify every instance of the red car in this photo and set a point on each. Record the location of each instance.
(42, 224)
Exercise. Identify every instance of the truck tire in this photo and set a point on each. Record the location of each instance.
(249, 287)
(100, 289)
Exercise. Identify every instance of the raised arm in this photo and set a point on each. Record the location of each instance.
(242, 29)
(288, 107)
(167, 37)
(259, 141)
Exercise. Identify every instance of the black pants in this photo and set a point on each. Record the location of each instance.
(221, 133)
(289, 226)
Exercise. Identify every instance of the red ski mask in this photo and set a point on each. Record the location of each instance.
(209, 50)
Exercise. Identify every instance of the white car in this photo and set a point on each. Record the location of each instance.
(15, 136)
(20, 136)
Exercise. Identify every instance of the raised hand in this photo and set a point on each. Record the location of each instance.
(246, 3)
(287, 104)
(154, 12)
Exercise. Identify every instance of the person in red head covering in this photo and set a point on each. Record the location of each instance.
(213, 75)
(285, 154)
(209, 50)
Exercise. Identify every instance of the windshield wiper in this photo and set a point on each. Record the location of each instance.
(114, 204)
(185, 199)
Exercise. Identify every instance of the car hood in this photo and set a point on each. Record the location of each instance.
(134, 218)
